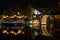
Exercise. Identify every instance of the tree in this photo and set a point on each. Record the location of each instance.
(29, 11)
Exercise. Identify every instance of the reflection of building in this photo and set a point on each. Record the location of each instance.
(11, 23)
(38, 21)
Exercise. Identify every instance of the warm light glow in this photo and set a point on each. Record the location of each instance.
(34, 16)
(19, 31)
(15, 33)
(19, 17)
(18, 13)
(43, 26)
(15, 15)
(12, 32)
(5, 31)
(11, 17)
(25, 16)
(22, 16)
(44, 19)
(35, 24)
(57, 16)
(4, 16)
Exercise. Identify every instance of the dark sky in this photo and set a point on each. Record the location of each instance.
(5, 4)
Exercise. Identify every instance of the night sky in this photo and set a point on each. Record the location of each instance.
(6, 4)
